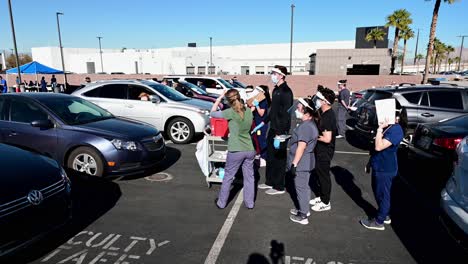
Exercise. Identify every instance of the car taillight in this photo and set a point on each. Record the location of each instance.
(359, 96)
(448, 143)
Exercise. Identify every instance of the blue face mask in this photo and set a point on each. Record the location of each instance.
(274, 79)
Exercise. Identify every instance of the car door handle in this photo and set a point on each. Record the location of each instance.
(12, 134)
(427, 115)
(129, 106)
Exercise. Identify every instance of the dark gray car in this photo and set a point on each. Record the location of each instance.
(423, 104)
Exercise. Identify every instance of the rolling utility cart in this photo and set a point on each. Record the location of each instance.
(216, 156)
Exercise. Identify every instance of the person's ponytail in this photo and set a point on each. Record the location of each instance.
(233, 98)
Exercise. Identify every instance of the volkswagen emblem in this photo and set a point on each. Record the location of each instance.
(35, 197)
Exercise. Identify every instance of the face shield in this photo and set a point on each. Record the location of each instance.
(302, 102)
(317, 100)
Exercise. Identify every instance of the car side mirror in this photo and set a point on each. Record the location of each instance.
(155, 99)
(44, 124)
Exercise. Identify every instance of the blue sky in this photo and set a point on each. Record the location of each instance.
(157, 24)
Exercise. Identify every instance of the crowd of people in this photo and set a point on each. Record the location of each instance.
(262, 130)
(40, 86)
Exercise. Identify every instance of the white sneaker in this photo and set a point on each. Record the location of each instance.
(315, 201)
(295, 211)
(262, 162)
(264, 186)
(274, 192)
(321, 207)
(339, 136)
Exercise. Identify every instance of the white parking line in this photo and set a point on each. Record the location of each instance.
(352, 152)
(219, 242)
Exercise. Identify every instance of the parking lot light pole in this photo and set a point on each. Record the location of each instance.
(291, 44)
(14, 40)
(461, 50)
(61, 50)
(100, 52)
(416, 50)
(211, 54)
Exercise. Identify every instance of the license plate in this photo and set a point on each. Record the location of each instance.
(424, 142)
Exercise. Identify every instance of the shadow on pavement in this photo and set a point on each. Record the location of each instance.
(417, 225)
(172, 156)
(345, 179)
(356, 141)
(277, 255)
(92, 197)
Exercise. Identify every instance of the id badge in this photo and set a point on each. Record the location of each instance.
(259, 132)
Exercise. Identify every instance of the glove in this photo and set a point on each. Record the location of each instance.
(257, 128)
(292, 170)
(276, 143)
(255, 103)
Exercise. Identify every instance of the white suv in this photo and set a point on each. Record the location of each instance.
(178, 116)
(214, 85)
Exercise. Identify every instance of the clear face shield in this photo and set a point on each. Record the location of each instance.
(295, 106)
(317, 100)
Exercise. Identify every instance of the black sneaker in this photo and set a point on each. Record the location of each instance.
(299, 218)
(387, 220)
(372, 224)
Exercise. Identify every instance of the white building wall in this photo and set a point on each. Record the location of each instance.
(228, 59)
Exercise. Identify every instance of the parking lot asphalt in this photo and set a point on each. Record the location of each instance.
(134, 220)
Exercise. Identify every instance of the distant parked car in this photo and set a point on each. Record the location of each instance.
(35, 198)
(423, 104)
(433, 145)
(180, 117)
(454, 197)
(237, 84)
(78, 134)
(193, 91)
(214, 85)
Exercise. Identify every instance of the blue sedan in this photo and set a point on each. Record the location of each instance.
(78, 134)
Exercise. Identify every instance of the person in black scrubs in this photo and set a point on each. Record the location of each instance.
(325, 148)
(279, 120)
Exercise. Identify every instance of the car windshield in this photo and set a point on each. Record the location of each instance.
(379, 95)
(226, 84)
(166, 91)
(240, 84)
(194, 88)
(76, 111)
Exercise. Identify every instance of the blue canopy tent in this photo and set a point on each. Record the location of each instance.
(34, 67)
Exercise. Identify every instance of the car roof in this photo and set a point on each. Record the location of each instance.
(418, 88)
(191, 76)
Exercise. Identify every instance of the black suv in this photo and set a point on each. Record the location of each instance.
(423, 104)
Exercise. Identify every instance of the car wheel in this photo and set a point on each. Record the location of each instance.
(180, 130)
(86, 160)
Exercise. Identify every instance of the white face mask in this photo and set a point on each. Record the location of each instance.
(318, 104)
(299, 115)
(274, 79)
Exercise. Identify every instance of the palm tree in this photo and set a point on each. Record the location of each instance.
(419, 57)
(450, 62)
(405, 34)
(400, 19)
(449, 49)
(439, 51)
(430, 46)
(376, 34)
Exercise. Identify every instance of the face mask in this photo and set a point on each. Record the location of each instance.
(318, 104)
(274, 79)
(299, 115)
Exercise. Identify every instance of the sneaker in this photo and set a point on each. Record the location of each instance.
(274, 192)
(301, 219)
(372, 224)
(295, 212)
(339, 136)
(315, 201)
(387, 220)
(262, 162)
(319, 207)
(264, 186)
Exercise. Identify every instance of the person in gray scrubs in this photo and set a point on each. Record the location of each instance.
(343, 105)
(301, 158)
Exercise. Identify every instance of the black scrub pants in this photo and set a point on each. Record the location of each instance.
(322, 170)
(275, 164)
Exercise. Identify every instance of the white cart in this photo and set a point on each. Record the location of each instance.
(217, 152)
